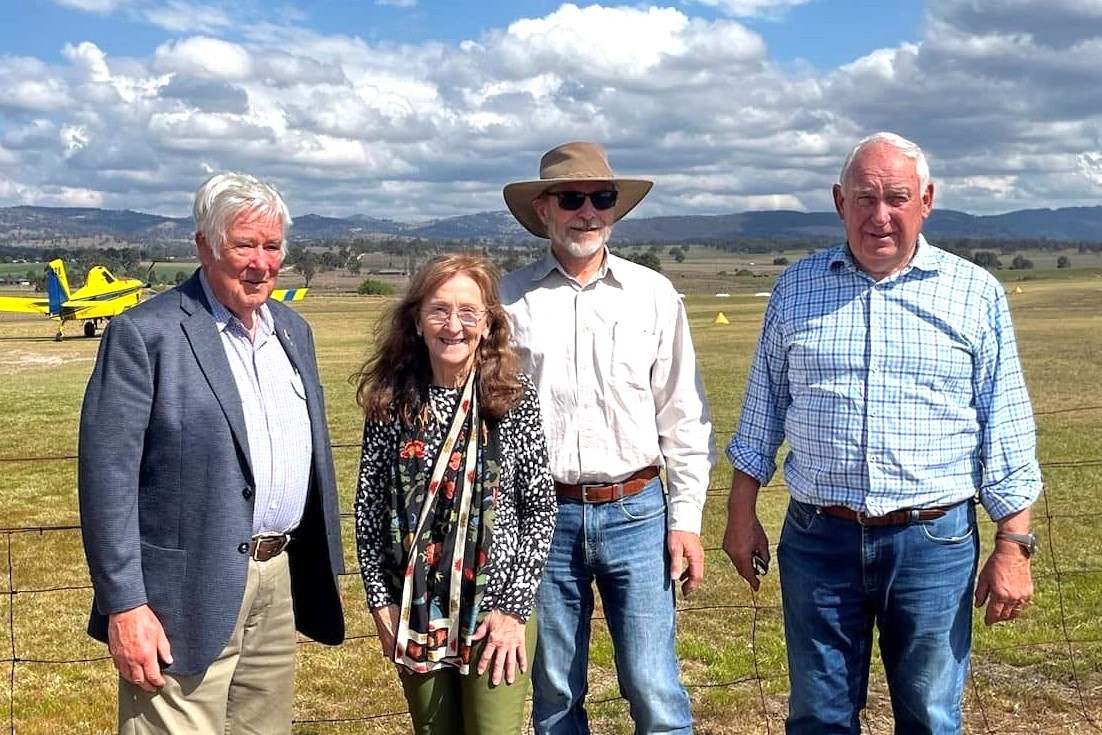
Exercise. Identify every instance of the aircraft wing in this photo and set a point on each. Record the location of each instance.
(96, 308)
(24, 304)
(288, 294)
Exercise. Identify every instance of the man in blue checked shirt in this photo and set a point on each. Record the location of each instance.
(891, 368)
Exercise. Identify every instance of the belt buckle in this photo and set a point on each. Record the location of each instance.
(860, 516)
(279, 541)
(586, 487)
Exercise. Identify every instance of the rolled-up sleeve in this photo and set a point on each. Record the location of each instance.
(1011, 475)
(760, 432)
(684, 422)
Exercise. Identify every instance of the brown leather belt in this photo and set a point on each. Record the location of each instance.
(263, 548)
(900, 517)
(604, 493)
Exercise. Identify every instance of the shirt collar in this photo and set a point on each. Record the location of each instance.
(224, 318)
(925, 258)
(543, 268)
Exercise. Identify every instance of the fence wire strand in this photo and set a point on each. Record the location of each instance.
(760, 680)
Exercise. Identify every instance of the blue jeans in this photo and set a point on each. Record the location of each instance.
(622, 546)
(914, 581)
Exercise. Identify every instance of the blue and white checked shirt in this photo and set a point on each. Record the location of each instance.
(902, 393)
(273, 399)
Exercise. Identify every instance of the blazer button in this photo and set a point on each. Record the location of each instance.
(247, 493)
(243, 548)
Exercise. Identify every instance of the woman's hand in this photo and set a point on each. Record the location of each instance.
(504, 647)
(386, 624)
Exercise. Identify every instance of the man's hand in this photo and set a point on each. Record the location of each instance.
(386, 625)
(744, 538)
(686, 560)
(504, 648)
(138, 645)
(1005, 584)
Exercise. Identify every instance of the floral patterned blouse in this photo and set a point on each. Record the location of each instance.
(525, 512)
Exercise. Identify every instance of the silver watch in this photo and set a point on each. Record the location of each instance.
(1028, 541)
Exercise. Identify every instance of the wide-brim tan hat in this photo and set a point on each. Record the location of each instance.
(570, 163)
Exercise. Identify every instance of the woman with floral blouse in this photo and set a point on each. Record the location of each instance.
(455, 506)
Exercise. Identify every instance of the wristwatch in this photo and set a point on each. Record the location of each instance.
(1028, 541)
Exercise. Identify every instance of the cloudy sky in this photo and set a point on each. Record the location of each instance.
(415, 109)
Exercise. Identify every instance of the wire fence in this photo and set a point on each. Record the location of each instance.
(1060, 663)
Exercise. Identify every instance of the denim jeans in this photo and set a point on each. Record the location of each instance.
(620, 545)
(914, 581)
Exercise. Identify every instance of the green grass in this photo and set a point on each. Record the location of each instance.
(21, 269)
(1043, 673)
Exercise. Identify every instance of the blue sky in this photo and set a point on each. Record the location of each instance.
(411, 109)
(824, 33)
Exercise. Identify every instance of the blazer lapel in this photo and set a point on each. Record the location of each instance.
(306, 372)
(206, 344)
(283, 333)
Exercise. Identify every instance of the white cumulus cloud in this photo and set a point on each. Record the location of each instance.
(1001, 94)
(202, 56)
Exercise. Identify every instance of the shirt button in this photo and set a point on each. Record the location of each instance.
(243, 548)
(247, 493)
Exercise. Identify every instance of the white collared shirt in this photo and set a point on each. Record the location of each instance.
(614, 364)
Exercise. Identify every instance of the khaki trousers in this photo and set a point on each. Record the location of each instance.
(248, 689)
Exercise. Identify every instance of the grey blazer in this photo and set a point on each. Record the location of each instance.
(166, 490)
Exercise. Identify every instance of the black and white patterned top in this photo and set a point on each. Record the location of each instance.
(525, 511)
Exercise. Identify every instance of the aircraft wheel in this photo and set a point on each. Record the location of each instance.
(89, 329)
(58, 336)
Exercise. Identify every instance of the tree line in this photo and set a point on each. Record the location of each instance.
(310, 257)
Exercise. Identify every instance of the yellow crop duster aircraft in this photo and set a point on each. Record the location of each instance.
(101, 297)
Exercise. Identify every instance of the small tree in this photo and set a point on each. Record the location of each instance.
(780, 261)
(1063, 262)
(1021, 263)
(648, 259)
(371, 287)
(306, 267)
(986, 259)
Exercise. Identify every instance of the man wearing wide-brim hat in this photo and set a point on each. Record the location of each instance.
(607, 343)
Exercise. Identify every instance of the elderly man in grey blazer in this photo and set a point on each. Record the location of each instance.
(208, 499)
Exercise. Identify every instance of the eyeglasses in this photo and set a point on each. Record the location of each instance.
(441, 315)
(573, 200)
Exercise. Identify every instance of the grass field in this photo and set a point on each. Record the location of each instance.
(1042, 674)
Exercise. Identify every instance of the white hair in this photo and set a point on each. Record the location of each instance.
(908, 148)
(223, 197)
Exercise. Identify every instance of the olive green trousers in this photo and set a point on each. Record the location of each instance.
(445, 702)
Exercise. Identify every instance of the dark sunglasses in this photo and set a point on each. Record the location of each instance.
(573, 200)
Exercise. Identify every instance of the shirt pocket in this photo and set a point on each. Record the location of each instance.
(529, 346)
(634, 351)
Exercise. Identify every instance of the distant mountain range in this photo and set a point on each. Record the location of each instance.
(26, 225)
